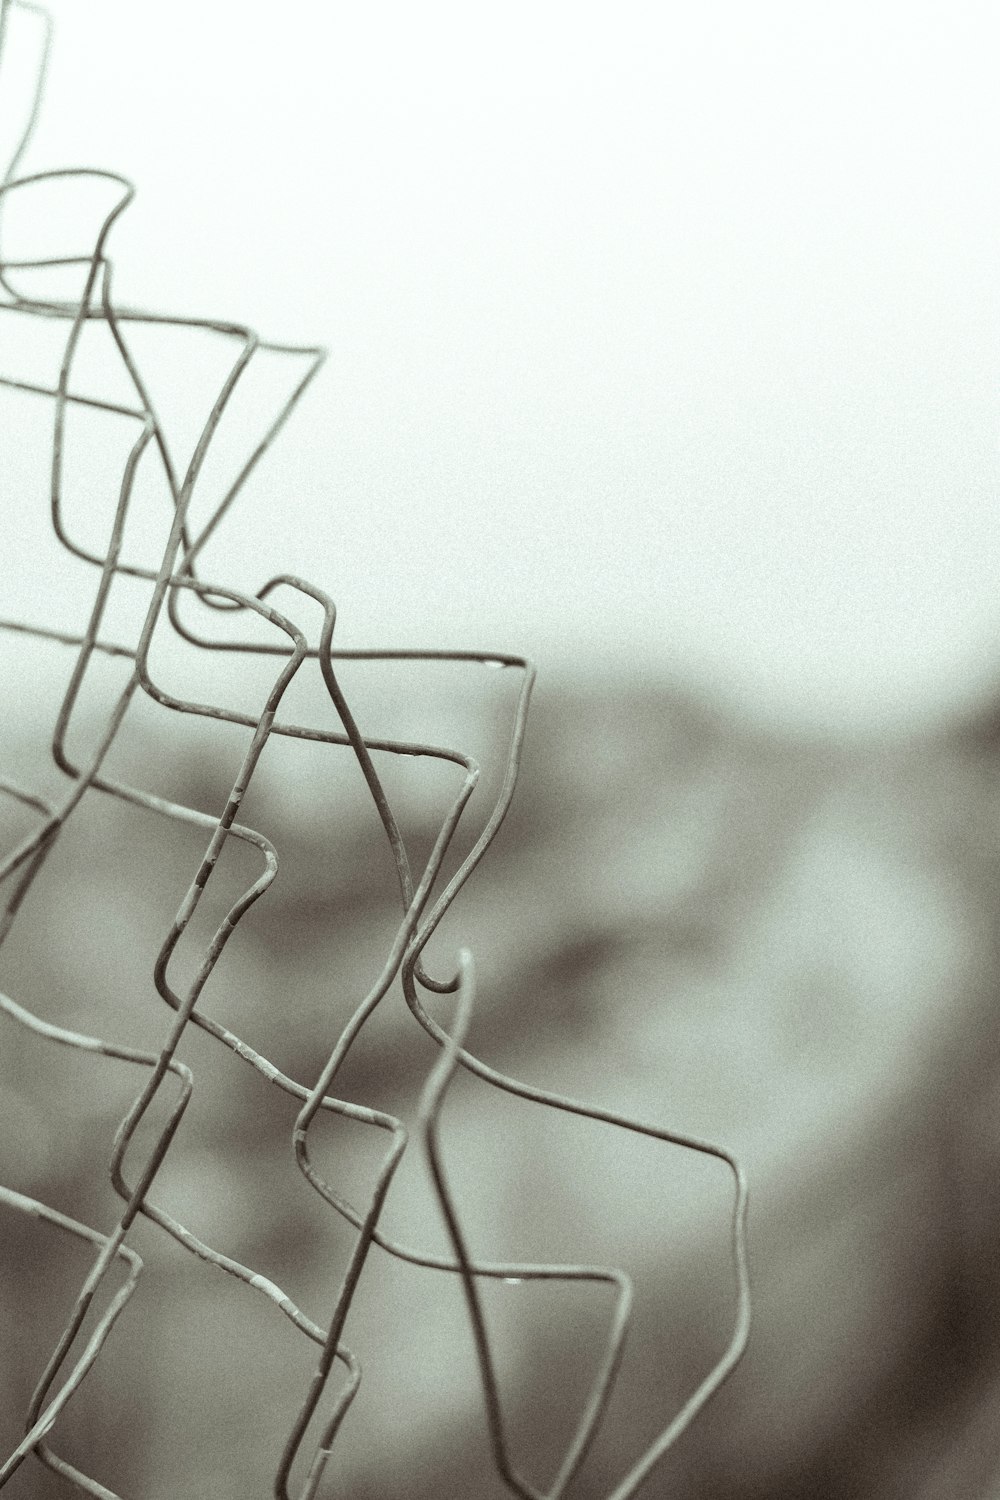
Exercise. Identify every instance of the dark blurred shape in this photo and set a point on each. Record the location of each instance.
(789, 947)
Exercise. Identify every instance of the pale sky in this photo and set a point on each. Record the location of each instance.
(658, 332)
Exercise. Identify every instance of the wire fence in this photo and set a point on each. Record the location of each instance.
(425, 895)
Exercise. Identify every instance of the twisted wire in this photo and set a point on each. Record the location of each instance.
(424, 899)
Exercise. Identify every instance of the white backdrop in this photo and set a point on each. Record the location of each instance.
(658, 332)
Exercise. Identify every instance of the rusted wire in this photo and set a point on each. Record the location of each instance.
(424, 900)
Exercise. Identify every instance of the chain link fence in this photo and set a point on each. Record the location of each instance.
(285, 632)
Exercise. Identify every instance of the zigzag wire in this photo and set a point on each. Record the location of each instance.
(409, 939)
(108, 567)
(78, 675)
(165, 1060)
(354, 1270)
(40, 1421)
(184, 1012)
(601, 1390)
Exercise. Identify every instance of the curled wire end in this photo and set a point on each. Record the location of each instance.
(453, 1055)
(431, 1101)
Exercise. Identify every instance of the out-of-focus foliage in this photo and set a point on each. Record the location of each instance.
(785, 947)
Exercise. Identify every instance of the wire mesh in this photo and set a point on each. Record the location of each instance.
(425, 896)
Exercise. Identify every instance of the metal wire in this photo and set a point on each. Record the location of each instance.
(424, 901)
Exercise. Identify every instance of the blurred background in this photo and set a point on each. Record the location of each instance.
(663, 347)
(683, 317)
